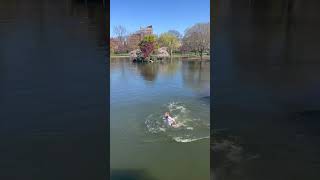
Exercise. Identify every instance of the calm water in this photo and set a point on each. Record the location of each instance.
(53, 90)
(141, 146)
(266, 103)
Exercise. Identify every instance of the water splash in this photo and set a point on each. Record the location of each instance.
(191, 128)
(186, 140)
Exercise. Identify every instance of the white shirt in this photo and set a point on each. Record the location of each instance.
(169, 120)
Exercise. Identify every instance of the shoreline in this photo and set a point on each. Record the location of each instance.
(205, 58)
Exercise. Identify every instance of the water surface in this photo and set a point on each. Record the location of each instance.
(52, 97)
(140, 141)
(266, 108)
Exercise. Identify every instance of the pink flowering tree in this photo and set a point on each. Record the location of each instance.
(148, 45)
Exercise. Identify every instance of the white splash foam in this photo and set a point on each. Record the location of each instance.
(162, 129)
(173, 106)
(187, 127)
(187, 140)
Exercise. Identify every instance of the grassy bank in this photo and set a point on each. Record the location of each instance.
(120, 55)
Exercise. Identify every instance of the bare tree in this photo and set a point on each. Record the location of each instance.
(176, 34)
(120, 32)
(197, 38)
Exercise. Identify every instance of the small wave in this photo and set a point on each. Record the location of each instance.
(190, 128)
(187, 140)
(175, 106)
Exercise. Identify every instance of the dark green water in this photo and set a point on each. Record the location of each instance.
(265, 84)
(141, 147)
(53, 103)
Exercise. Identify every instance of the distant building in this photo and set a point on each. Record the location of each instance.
(135, 38)
(147, 30)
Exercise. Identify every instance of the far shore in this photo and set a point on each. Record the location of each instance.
(182, 57)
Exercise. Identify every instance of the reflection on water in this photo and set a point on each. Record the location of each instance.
(140, 94)
(265, 90)
(148, 71)
(52, 95)
(196, 75)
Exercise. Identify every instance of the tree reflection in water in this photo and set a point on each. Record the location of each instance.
(196, 75)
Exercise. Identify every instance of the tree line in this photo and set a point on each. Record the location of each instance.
(196, 39)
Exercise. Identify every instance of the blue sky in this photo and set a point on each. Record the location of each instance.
(163, 15)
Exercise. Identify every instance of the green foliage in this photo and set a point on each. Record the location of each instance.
(170, 41)
(150, 38)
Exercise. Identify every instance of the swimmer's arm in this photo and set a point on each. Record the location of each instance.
(174, 121)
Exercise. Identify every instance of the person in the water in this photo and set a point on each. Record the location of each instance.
(169, 120)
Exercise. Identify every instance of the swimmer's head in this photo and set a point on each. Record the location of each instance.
(166, 114)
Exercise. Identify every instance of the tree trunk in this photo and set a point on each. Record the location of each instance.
(170, 52)
(200, 54)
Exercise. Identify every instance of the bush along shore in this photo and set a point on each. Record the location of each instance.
(174, 56)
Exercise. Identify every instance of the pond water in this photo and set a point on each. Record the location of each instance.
(141, 145)
(52, 122)
(266, 91)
